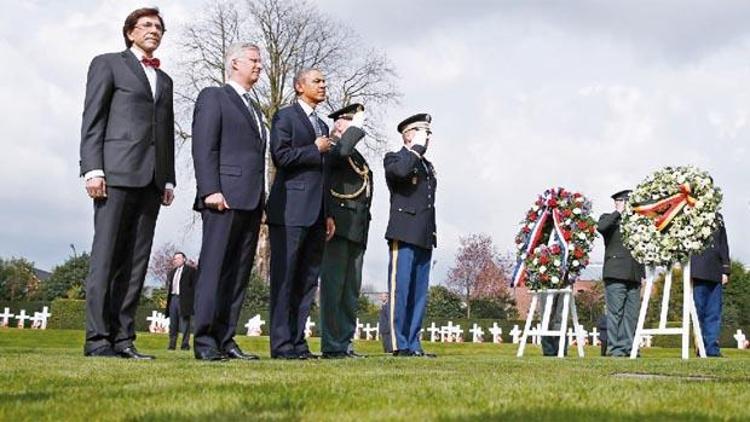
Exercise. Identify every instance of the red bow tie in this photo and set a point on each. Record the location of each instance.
(151, 62)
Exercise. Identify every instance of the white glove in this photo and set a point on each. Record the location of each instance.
(420, 138)
(358, 119)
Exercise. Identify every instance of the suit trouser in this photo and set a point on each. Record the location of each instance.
(226, 259)
(124, 225)
(707, 296)
(340, 281)
(623, 303)
(408, 281)
(178, 323)
(550, 344)
(296, 255)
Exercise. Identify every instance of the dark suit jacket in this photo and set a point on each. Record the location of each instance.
(187, 290)
(619, 264)
(352, 215)
(412, 184)
(714, 261)
(228, 150)
(124, 131)
(297, 194)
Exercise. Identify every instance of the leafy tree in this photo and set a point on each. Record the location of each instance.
(18, 280)
(258, 295)
(736, 311)
(590, 304)
(443, 304)
(69, 279)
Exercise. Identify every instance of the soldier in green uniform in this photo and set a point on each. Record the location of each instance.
(622, 276)
(349, 197)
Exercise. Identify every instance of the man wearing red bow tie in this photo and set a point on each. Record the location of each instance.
(127, 161)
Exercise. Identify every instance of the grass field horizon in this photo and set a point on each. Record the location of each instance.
(46, 377)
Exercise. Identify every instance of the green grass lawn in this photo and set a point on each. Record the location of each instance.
(44, 376)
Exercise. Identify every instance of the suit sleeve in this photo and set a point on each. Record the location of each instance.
(207, 142)
(99, 90)
(399, 165)
(283, 151)
(723, 244)
(608, 222)
(348, 141)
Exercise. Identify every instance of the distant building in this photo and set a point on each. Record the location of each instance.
(523, 296)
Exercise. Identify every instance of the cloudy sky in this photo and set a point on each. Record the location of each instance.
(589, 95)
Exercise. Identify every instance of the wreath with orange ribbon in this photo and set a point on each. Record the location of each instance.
(555, 240)
(671, 215)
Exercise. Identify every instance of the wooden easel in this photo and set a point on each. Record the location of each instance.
(688, 313)
(569, 309)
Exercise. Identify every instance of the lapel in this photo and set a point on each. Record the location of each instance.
(304, 117)
(170, 277)
(240, 104)
(160, 81)
(135, 66)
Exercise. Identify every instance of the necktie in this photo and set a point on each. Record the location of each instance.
(155, 63)
(316, 124)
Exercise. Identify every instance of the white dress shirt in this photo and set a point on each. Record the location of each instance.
(176, 281)
(258, 116)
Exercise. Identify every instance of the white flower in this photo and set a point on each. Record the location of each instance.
(576, 211)
(542, 269)
(575, 263)
(557, 263)
(555, 280)
(535, 261)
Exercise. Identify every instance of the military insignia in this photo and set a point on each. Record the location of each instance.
(414, 180)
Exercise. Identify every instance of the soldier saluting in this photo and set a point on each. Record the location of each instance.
(349, 196)
(411, 234)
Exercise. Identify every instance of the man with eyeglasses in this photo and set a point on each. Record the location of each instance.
(127, 161)
(229, 147)
(411, 234)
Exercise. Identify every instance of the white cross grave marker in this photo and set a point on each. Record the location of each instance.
(434, 332)
(516, 333)
(21, 318)
(40, 319)
(358, 329)
(6, 316)
(446, 332)
(646, 340)
(740, 337)
(458, 334)
(308, 328)
(477, 334)
(155, 321)
(254, 325)
(595, 337)
(536, 338)
(497, 333)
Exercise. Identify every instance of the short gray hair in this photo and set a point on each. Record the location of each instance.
(300, 75)
(234, 51)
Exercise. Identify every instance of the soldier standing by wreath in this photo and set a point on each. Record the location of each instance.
(622, 276)
(349, 199)
(411, 234)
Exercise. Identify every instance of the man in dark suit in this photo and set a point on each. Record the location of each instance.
(710, 272)
(127, 160)
(623, 276)
(180, 295)
(229, 158)
(297, 217)
(411, 234)
(349, 195)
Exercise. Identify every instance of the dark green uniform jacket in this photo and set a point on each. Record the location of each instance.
(618, 262)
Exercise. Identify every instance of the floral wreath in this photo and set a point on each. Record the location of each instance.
(671, 215)
(554, 242)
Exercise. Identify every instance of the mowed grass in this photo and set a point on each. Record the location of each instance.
(44, 376)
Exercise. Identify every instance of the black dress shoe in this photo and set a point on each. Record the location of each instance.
(170, 347)
(210, 355)
(286, 356)
(185, 347)
(307, 355)
(101, 352)
(422, 354)
(237, 353)
(335, 355)
(354, 355)
(403, 353)
(132, 353)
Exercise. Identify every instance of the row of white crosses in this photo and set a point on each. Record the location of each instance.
(159, 323)
(38, 320)
(370, 332)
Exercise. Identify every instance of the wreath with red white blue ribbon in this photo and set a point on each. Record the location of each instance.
(554, 241)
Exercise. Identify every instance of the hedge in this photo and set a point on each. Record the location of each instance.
(71, 314)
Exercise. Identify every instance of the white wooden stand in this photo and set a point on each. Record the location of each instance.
(569, 309)
(688, 313)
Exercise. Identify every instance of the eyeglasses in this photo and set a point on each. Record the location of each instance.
(149, 26)
(252, 61)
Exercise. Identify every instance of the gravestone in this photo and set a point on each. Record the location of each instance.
(516, 334)
(595, 337)
(21, 318)
(5, 318)
(40, 319)
(254, 325)
(434, 332)
(739, 336)
(309, 328)
(477, 334)
(497, 333)
(358, 330)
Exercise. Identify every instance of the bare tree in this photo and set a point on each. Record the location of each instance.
(292, 34)
(160, 263)
(478, 271)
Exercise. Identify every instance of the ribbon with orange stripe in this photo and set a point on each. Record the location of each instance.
(665, 210)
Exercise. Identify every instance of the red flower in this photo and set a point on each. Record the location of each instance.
(564, 193)
(532, 216)
(578, 253)
(567, 213)
(544, 259)
(582, 225)
(552, 202)
(577, 195)
(555, 249)
(566, 235)
(525, 229)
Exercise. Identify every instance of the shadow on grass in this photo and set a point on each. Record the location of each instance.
(576, 414)
(23, 397)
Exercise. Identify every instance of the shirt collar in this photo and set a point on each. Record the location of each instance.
(139, 54)
(241, 91)
(306, 107)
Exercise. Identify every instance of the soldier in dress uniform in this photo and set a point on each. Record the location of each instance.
(349, 198)
(623, 276)
(411, 234)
